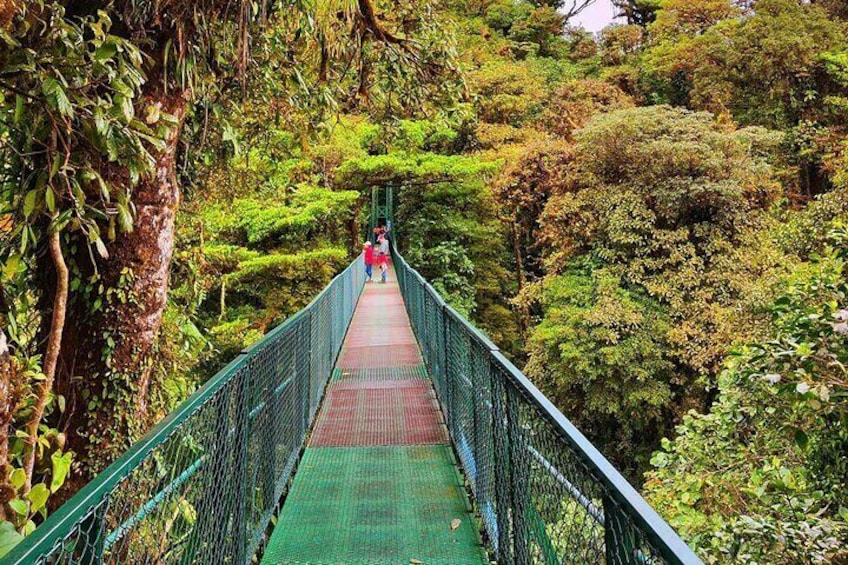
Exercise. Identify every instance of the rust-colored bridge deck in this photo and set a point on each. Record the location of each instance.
(377, 483)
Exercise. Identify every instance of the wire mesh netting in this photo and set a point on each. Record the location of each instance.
(543, 492)
(203, 485)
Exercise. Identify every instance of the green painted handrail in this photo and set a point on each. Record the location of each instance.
(281, 378)
(545, 494)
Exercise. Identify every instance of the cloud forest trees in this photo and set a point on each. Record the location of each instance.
(779, 66)
(761, 477)
(620, 211)
(640, 240)
(97, 103)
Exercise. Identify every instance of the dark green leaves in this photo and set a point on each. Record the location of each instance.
(106, 51)
(55, 94)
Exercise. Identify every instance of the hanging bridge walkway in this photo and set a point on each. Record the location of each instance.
(377, 483)
(376, 426)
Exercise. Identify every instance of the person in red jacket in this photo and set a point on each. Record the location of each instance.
(368, 255)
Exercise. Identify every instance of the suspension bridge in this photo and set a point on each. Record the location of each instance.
(376, 426)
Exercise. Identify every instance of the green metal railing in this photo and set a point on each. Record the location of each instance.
(544, 493)
(202, 486)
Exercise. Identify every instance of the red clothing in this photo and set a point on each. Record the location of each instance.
(369, 255)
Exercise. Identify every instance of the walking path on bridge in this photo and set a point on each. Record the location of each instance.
(378, 483)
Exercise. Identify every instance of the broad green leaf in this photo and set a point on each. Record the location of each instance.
(123, 108)
(61, 466)
(56, 97)
(101, 248)
(30, 201)
(10, 269)
(9, 537)
(801, 438)
(106, 51)
(17, 478)
(19, 108)
(125, 218)
(38, 496)
(19, 506)
(152, 114)
(50, 199)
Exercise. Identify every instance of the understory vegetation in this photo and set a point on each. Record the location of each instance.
(651, 221)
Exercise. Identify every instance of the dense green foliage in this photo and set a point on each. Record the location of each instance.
(114, 306)
(649, 220)
(761, 478)
(651, 243)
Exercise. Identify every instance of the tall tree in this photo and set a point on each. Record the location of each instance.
(97, 95)
(637, 12)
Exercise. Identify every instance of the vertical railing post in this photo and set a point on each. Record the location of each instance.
(445, 377)
(479, 408)
(619, 536)
(300, 390)
(312, 371)
(450, 401)
(304, 374)
(503, 471)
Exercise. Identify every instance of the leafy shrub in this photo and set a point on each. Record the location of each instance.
(762, 477)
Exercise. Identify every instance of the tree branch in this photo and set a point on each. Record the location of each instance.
(373, 25)
(577, 6)
(51, 358)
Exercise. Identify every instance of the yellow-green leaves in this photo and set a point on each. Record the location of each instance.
(9, 537)
(61, 465)
(17, 478)
(37, 497)
(106, 51)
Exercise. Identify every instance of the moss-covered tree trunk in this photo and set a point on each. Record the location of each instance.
(109, 352)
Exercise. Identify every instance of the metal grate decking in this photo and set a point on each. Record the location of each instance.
(378, 483)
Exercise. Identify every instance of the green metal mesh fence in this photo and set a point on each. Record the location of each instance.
(543, 492)
(203, 485)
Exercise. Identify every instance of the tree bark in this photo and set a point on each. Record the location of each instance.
(111, 359)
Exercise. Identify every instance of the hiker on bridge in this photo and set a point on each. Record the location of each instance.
(368, 256)
(383, 258)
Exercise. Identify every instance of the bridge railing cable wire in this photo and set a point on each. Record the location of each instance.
(203, 485)
(544, 493)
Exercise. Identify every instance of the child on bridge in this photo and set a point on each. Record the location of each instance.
(383, 258)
